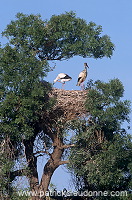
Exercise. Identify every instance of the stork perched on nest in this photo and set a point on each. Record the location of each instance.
(82, 76)
(62, 78)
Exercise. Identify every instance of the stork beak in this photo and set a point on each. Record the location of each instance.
(87, 66)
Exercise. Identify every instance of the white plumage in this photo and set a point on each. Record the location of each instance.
(62, 78)
(82, 76)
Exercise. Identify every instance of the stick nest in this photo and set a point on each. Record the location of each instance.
(70, 104)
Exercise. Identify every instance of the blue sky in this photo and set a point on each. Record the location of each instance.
(115, 17)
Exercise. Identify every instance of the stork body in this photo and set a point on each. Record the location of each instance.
(82, 76)
(62, 78)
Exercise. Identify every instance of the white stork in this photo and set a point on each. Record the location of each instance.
(82, 76)
(62, 78)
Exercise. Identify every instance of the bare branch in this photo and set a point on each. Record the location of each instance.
(67, 146)
(19, 172)
(63, 162)
(40, 152)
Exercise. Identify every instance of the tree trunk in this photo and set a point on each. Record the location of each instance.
(53, 163)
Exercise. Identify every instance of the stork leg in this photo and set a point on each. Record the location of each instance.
(82, 86)
(63, 85)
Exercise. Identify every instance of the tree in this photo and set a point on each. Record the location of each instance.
(101, 158)
(62, 37)
(25, 103)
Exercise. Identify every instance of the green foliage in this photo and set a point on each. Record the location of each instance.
(6, 165)
(104, 103)
(101, 158)
(62, 37)
(24, 95)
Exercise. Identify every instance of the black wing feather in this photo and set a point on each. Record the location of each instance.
(66, 77)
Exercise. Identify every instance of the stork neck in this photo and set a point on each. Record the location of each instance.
(86, 68)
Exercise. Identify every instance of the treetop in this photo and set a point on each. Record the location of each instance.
(61, 37)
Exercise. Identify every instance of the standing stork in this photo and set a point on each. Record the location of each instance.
(62, 78)
(82, 76)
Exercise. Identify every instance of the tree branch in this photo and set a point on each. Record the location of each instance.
(63, 162)
(67, 146)
(45, 152)
(19, 172)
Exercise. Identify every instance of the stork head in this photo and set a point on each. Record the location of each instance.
(86, 65)
(54, 81)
